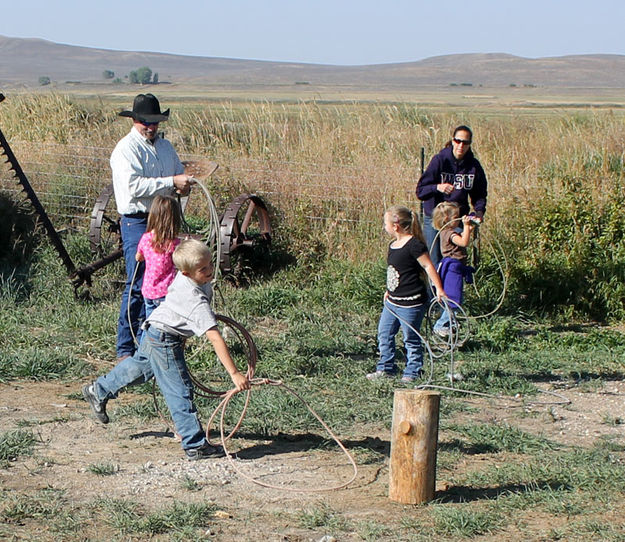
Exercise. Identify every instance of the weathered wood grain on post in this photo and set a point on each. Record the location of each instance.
(414, 437)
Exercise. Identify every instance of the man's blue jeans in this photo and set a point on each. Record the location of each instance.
(389, 325)
(160, 355)
(430, 233)
(131, 230)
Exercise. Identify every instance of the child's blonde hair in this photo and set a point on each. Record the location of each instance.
(164, 222)
(188, 255)
(406, 220)
(445, 215)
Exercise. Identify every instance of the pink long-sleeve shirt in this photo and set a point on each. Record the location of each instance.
(159, 267)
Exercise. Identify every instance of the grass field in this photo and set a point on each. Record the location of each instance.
(512, 469)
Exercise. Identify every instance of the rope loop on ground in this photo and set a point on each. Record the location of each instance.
(221, 409)
(226, 396)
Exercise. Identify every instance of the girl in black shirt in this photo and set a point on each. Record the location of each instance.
(406, 294)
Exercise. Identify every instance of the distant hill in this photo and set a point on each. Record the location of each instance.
(24, 61)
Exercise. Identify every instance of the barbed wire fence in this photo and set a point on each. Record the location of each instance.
(334, 201)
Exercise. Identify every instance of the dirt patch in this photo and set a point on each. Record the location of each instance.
(150, 467)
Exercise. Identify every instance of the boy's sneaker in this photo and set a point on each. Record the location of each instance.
(378, 375)
(205, 452)
(98, 407)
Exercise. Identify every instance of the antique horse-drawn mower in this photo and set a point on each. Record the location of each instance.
(244, 224)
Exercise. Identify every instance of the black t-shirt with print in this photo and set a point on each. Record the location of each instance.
(404, 280)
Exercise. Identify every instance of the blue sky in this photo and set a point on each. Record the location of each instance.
(322, 31)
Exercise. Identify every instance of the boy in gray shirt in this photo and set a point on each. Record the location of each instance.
(185, 312)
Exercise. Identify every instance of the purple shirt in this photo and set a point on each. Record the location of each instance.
(466, 175)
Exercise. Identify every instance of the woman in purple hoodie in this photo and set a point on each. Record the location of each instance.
(454, 174)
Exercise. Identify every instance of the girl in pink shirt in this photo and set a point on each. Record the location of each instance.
(155, 248)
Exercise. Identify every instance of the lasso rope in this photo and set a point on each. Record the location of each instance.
(226, 397)
(452, 346)
(500, 258)
(211, 234)
(221, 408)
(456, 337)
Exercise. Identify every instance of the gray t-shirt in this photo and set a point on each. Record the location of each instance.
(186, 310)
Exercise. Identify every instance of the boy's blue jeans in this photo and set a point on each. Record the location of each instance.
(160, 355)
(388, 327)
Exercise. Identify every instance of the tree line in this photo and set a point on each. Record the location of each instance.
(140, 76)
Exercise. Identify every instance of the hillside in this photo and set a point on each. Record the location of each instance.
(25, 60)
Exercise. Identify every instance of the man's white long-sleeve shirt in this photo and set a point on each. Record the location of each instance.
(141, 170)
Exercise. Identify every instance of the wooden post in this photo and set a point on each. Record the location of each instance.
(414, 437)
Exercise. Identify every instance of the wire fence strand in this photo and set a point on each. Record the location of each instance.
(68, 179)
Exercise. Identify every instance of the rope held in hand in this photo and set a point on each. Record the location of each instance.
(226, 396)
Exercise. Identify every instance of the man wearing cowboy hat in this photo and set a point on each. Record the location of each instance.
(144, 165)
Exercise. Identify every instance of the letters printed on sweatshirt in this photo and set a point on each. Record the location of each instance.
(459, 180)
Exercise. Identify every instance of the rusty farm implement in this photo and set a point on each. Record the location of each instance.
(244, 224)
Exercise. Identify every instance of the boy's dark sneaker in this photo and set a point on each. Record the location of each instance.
(98, 407)
(205, 452)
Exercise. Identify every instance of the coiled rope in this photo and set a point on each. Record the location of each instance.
(427, 381)
(459, 334)
(497, 252)
(243, 336)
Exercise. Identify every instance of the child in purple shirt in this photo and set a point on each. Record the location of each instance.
(453, 268)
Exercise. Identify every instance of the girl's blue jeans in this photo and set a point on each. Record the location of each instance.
(151, 304)
(160, 355)
(443, 321)
(409, 320)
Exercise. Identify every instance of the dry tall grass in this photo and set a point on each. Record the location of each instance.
(329, 170)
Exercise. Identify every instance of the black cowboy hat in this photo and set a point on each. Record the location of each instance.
(146, 108)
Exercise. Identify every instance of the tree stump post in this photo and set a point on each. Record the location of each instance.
(414, 437)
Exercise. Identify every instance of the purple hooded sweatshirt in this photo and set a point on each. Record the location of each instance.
(466, 175)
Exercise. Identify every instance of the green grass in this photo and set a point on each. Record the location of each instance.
(190, 484)
(574, 470)
(315, 328)
(324, 355)
(466, 522)
(103, 469)
(324, 516)
(497, 438)
(180, 520)
(41, 505)
(14, 444)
